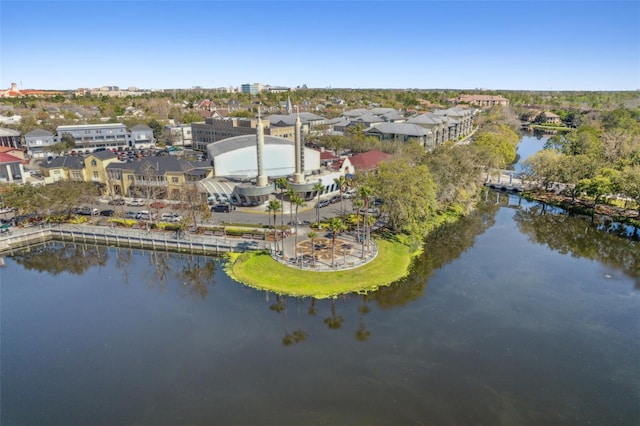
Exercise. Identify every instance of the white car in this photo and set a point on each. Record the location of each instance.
(171, 217)
(136, 202)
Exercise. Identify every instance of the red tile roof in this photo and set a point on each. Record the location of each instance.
(7, 158)
(327, 155)
(368, 160)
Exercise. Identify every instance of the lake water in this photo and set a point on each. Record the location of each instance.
(516, 315)
(529, 144)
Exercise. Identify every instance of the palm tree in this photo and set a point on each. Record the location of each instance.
(312, 236)
(291, 193)
(335, 225)
(274, 206)
(362, 333)
(298, 201)
(283, 184)
(318, 188)
(341, 182)
(364, 192)
(357, 204)
(334, 322)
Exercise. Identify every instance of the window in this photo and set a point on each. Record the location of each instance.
(94, 163)
(95, 175)
(174, 180)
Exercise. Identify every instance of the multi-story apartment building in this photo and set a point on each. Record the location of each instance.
(214, 130)
(89, 137)
(483, 100)
(251, 88)
(155, 177)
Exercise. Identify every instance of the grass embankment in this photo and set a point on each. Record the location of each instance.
(259, 270)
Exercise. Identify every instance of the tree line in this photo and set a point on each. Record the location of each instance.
(600, 157)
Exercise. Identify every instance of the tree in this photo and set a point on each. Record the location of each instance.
(273, 207)
(409, 196)
(283, 184)
(630, 184)
(341, 183)
(334, 322)
(335, 226)
(364, 193)
(157, 128)
(297, 202)
(318, 188)
(604, 183)
(312, 237)
(67, 143)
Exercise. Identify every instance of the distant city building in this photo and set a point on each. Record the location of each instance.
(14, 92)
(483, 100)
(251, 88)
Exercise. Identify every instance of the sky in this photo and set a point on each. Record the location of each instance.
(162, 44)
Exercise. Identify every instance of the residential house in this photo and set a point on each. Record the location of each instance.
(95, 165)
(16, 152)
(141, 137)
(11, 169)
(547, 117)
(9, 137)
(38, 142)
(368, 161)
(69, 167)
(180, 134)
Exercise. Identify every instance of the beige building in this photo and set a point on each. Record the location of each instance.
(483, 101)
(155, 177)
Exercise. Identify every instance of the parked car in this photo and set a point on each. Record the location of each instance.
(107, 212)
(130, 215)
(334, 199)
(322, 203)
(157, 205)
(117, 202)
(171, 217)
(145, 215)
(86, 211)
(371, 210)
(135, 202)
(222, 208)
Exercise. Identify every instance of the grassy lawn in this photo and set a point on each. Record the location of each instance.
(259, 270)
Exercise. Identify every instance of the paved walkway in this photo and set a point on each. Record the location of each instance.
(321, 254)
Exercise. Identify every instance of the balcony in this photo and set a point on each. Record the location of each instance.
(154, 183)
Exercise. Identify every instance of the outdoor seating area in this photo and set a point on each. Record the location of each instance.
(321, 254)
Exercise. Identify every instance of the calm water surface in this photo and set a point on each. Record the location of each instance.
(512, 316)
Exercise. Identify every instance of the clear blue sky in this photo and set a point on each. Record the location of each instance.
(529, 45)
